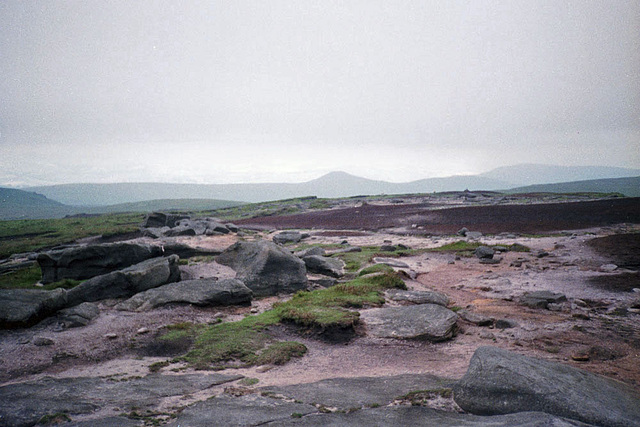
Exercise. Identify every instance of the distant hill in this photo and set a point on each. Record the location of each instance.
(19, 204)
(335, 184)
(332, 185)
(533, 174)
(628, 186)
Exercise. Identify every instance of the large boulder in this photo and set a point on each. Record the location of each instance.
(201, 292)
(25, 307)
(333, 267)
(542, 299)
(502, 382)
(425, 321)
(85, 262)
(266, 268)
(125, 283)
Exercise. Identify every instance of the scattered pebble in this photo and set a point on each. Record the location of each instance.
(42, 341)
(111, 335)
(142, 330)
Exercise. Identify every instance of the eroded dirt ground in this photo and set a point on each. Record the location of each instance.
(597, 329)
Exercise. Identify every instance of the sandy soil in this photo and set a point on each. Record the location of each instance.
(587, 324)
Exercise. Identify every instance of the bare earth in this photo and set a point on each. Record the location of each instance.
(591, 323)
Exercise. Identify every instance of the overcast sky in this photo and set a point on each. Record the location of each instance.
(259, 91)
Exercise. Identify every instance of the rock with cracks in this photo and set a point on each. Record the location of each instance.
(502, 382)
(418, 297)
(125, 283)
(85, 262)
(265, 268)
(21, 308)
(201, 292)
(333, 267)
(425, 321)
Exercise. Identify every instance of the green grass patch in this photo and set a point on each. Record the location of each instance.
(247, 342)
(247, 382)
(31, 235)
(376, 268)
(25, 278)
(459, 246)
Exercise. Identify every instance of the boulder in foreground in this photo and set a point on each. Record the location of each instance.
(265, 268)
(425, 321)
(201, 292)
(502, 382)
(125, 283)
(21, 308)
(85, 262)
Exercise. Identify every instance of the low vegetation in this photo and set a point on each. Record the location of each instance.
(247, 342)
(465, 248)
(27, 278)
(31, 235)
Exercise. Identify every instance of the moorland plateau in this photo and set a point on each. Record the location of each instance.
(469, 308)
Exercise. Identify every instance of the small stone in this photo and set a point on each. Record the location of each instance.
(485, 335)
(264, 368)
(142, 330)
(505, 324)
(254, 310)
(580, 357)
(42, 341)
(608, 268)
(111, 335)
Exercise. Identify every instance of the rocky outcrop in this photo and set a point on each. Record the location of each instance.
(24, 404)
(316, 250)
(25, 307)
(484, 252)
(333, 267)
(418, 297)
(248, 410)
(425, 321)
(502, 382)
(85, 262)
(161, 219)
(125, 283)
(265, 268)
(201, 292)
(159, 225)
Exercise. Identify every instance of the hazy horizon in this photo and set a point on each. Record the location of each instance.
(245, 92)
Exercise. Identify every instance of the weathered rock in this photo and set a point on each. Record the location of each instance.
(420, 416)
(463, 231)
(202, 292)
(388, 248)
(490, 260)
(608, 268)
(247, 410)
(348, 393)
(426, 321)
(21, 308)
(484, 252)
(77, 316)
(265, 268)
(541, 299)
(182, 230)
(390, 262)
(473, 235)
(84, 262)
(24, 404)
(418, 297)
(154, 232)
(475, 318)
(502, 382)
(185, 251)
(333, 267)
(287, 237)
(232, 227)
(161, 219)
(506, 324)
(125, 283)
(43, 341)
(316, 250)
